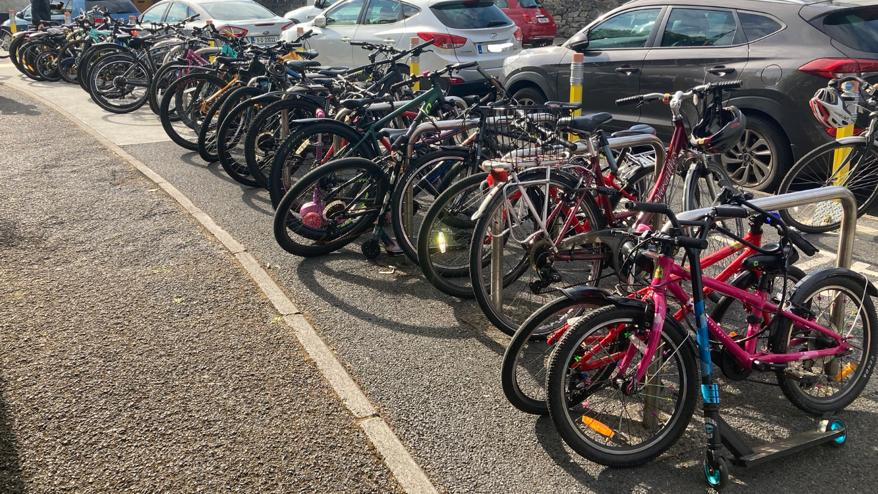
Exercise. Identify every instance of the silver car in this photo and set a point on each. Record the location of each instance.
(242, 18)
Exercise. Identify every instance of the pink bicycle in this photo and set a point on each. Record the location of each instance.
(623, 381)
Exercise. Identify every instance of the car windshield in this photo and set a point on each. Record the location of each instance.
(856, 28)
(113, 6)
(470, 15)
(229, 11)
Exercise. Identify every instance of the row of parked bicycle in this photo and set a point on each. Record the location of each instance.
(566, 235)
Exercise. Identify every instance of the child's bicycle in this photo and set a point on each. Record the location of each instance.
(624, 380)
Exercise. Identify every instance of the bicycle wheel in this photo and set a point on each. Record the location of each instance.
(524, 369)
(828, 384)
(91, 56)
(27, 56)
(329, 207)
(191, 95)
(310, 146)
(445, 234)
(5, 42)
(537, 268)
(234, 125)
(425, 179)
(853, 165)
(207, 132)
(604, 416)
(207, 145)
(271, 126)
(47, 66)
(119, 83)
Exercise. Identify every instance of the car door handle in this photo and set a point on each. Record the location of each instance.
(627, 70)
(345, 38)
(721, 70)
(389, 40)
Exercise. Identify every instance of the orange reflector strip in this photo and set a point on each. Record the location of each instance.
(598, 426)
(845, 371)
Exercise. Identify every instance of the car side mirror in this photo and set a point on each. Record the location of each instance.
(320, 21)
(580, 45)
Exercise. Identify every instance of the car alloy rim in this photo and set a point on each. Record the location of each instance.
(749, 161)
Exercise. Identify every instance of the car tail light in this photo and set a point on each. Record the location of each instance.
(831, 68)
(287, 26)
(444, 40)
(235, 31)
(517, 34)
(455, 80)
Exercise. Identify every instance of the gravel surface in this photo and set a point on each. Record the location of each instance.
(134, 354)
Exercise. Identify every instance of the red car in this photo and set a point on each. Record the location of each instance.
(537, 25)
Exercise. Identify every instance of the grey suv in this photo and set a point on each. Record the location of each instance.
(783, 50)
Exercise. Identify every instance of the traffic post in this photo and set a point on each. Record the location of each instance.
(840, 165)
(415, 64)
(68, 17)
(12, 26)
(132, 19)
(576, 84)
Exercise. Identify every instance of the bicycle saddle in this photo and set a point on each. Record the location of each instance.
(773, 261)
(354, 103)
(308, 54)
(301, 66)
(392, 134)
(635, 130)
(590, 122)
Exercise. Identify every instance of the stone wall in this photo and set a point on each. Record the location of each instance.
(573, 15)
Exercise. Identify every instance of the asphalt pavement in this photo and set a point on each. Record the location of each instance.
(431, 363)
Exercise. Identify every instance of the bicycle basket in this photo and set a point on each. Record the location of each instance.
(520, 137)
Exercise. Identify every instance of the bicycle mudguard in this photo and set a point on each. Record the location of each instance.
(265, 99)
(822, 274)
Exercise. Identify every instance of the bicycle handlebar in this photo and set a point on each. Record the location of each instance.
(666, 97)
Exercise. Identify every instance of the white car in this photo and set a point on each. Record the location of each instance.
(242, 18)
(462, 31)
(309, 12)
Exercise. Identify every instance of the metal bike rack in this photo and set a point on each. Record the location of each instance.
(792, 199)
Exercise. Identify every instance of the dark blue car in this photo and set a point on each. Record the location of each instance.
(118, 9)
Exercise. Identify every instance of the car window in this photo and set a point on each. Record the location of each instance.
(25, 13)
(345, 14)
(383, 12)
(177, 12)
(231, 11)
(113, 6)
(626, 30)
(409, 10)
(700, 27)
(529, 4)
(757, 26)
(471, 14)
(154, 13)
(503, 4)
(856, 28)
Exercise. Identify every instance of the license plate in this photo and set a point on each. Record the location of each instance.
(494, 47)
(264, 40)
(542, 20)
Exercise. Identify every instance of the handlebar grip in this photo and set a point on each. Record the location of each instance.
(730, 212)
(461, 66)
(726, 85)
(690, 242)
(630, 100)
(803, 245)
(648, 207)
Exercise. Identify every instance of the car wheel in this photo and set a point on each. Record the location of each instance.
(529, 96)
(758, 160)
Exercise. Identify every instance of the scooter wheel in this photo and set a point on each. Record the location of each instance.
(716, 474)
(371, 248)
(834, 425)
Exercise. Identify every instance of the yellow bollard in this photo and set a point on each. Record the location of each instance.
(415, 64)
(840, 169)
(12, 27)
(576, 85)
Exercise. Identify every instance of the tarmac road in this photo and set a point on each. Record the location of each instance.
(431, 364)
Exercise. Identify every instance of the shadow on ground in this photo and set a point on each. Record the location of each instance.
(10, 470)
(11, 107)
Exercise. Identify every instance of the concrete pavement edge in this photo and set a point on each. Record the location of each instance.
(395, 455)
